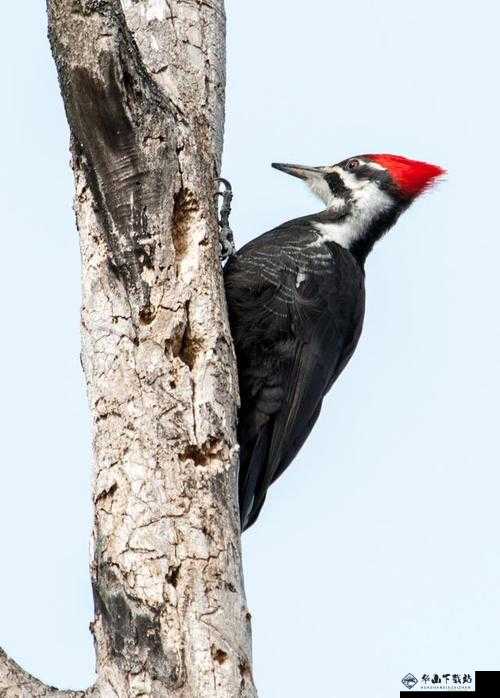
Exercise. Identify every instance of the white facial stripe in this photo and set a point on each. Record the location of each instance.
(368, 203)
(375, 165)
(319, 187)
(350, 180)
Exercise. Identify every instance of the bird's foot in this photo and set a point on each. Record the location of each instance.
(226, 237)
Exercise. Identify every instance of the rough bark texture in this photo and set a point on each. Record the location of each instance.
(143, 85)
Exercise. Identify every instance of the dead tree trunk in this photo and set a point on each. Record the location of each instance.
(143, 85)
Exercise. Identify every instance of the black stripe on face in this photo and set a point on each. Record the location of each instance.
(337, 186)
(372, 174)
(363, 171)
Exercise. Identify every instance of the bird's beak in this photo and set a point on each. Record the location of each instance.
(300, 171)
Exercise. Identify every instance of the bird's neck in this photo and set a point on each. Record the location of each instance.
(357, 227)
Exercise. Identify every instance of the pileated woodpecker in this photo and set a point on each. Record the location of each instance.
(296, 302)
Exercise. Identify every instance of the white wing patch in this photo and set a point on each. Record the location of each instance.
(300, 278)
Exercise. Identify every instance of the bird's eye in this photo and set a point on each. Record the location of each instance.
(353, 164)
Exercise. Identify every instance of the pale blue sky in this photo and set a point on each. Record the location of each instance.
(377, 554)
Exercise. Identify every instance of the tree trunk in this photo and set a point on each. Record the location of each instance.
(143, 85)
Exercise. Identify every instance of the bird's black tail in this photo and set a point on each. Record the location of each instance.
(252, 492)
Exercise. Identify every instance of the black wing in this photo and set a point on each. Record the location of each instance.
(296, 309)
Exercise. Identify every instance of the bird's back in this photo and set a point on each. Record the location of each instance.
(296, 306)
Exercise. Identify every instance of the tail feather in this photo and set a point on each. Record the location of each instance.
(253, 459)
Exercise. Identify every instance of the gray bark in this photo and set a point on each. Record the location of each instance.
(143, 85)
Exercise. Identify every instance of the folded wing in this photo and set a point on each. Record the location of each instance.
(296, 309)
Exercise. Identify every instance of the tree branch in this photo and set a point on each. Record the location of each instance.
(17, 683)
(143, 86)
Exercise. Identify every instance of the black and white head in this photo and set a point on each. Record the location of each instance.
(364, 195)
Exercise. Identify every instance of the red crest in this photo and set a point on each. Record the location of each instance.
(411, 176)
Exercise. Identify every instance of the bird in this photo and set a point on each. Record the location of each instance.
(296, 302)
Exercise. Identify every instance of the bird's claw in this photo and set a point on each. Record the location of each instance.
(226, 237)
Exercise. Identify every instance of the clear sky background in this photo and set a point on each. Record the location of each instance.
(377, 553)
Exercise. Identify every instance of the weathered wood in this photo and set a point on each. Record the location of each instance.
(143, 85)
